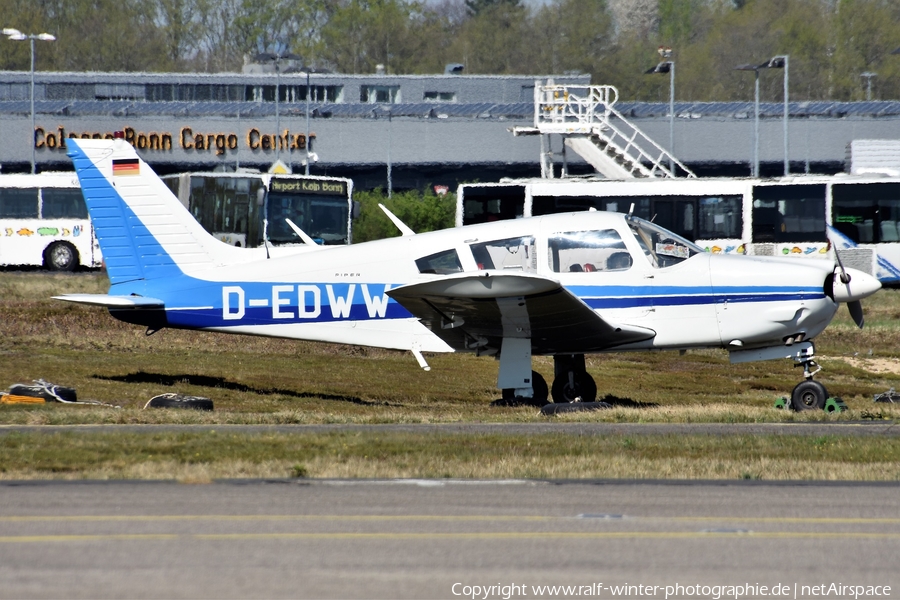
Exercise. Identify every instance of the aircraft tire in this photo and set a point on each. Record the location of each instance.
(583, 390)
(179, 401)
(809, 395)
(538, 385)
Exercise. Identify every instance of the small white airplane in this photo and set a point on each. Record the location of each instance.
(563, 285)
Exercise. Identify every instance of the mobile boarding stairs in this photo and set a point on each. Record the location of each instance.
(591, 126)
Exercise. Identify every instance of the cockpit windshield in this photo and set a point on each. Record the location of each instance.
(661, 247)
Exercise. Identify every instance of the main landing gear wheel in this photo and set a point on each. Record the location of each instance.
(809, 395)
(571, 381)
(574, 386)
(539, 387)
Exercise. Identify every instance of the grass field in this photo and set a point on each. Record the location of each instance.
(260, 380)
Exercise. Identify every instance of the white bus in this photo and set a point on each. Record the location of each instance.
(795, 216)
(44, 222)
(248, 209)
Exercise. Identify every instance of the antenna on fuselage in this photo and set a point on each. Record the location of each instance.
(403, 227)
(301, 234)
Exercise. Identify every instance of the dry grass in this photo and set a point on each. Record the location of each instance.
(269, 381)
(200, 457)
(264, 380)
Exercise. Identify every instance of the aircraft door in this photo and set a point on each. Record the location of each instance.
(677, 288)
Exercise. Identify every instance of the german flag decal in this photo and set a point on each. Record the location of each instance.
(127, 166)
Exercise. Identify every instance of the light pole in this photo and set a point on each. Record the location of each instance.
(668, 66)
(308, 153)
(18, 36)
(868, 75)
(782, 62)
(390, 182)
(754, 168)
(275, 58)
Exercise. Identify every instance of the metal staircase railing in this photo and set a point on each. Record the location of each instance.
(587, 112)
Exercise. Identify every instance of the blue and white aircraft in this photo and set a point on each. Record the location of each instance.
(562, 285)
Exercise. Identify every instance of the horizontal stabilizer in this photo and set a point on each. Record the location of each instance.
(112, 301)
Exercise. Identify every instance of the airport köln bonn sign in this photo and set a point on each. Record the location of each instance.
(186, 139)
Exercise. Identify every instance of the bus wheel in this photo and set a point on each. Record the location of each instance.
(60, 256)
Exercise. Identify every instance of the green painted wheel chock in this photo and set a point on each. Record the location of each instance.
(835, 405)
(831, 405)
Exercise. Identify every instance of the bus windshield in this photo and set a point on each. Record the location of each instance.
(230, 206)
(317, 207)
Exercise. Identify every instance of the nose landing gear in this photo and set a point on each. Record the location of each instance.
(808, 394)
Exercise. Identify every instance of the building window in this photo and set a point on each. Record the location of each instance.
(294, 93)
(440, 96)
(372, 94)
(189, 92)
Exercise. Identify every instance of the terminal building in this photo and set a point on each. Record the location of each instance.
(402, 131)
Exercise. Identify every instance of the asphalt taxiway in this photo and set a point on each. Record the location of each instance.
(440, 538)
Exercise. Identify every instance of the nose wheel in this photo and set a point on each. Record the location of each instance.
(808, 394)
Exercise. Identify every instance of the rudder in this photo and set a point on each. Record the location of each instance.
(143, 230)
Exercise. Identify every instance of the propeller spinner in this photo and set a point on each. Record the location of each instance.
(850, 286)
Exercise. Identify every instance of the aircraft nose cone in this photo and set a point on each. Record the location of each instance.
(861, 285)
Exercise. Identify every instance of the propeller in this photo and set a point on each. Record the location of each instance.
(865, 285)
(854, 306)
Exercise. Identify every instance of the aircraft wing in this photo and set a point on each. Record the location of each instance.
(112, 301)
(475, 312)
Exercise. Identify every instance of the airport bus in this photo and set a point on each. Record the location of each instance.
(248, 209)
(44, 222)
(800, 216)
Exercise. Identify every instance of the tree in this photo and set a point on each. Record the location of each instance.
(573, 35)
(475, 7)
(679, 21)
(421, 212)
(635, 17)
(104, 35)
(865, 33)
(178, 25)
(364, 33)
(497, 40)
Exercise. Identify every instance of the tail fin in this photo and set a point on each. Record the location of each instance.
(143, 230)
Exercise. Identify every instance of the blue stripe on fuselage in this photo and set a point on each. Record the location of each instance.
(230, 304)
(600, 297)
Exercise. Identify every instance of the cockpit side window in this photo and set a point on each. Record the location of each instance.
(440, 263)
(588, 251)
(511, 253)
(661, 247)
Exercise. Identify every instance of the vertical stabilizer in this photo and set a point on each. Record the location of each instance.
(143, 230)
